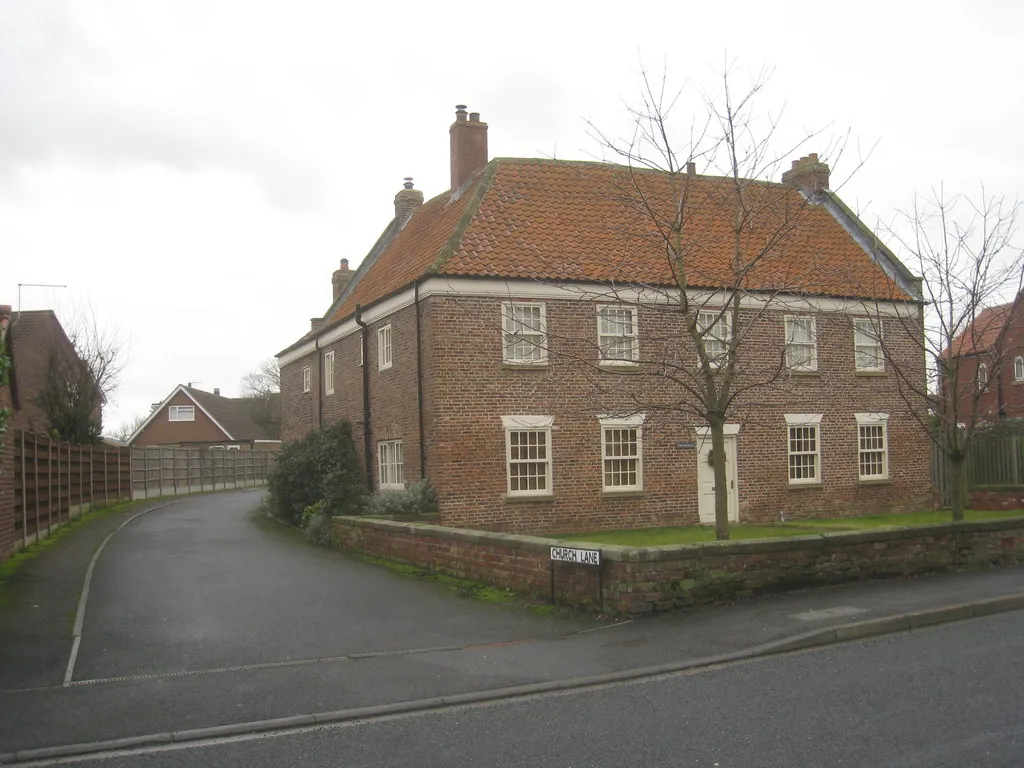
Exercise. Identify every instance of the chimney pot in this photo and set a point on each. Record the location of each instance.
(468, 147)
(808, 173)
(340, 279)
(216, 390)
(691, 169)
(407, 202)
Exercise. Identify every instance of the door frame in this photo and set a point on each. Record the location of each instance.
(732, 467)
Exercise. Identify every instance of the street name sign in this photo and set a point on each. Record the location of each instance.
(581, 556)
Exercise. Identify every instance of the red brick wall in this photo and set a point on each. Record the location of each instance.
(393, 396)
(639, 581)
(471, 390)
(467, 390)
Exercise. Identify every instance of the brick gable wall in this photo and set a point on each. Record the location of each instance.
(393, 396)
(162, 431)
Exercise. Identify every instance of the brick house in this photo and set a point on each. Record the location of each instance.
(193, 418)
(33, 338)
(990, 364)
(504, 339)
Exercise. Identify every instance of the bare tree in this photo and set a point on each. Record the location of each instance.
(81, 379)
(128, 428)
(262, 387)
(962, 248)
(264, 380)
(713, 307)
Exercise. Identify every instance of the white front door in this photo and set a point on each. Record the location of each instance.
(706, 479)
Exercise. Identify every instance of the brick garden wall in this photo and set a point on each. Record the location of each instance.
(646, 580)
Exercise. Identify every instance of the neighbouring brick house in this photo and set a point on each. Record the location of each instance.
(498, 338)
(990, 364)
(193, 418)
(32, 339)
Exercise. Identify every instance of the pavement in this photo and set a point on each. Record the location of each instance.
(204, 621)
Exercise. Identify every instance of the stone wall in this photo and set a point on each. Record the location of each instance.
(639, 580)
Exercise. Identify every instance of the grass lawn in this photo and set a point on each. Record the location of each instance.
(693, 534)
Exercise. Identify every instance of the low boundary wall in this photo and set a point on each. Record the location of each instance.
(640, 580)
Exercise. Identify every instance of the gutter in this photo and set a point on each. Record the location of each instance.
(367, 445)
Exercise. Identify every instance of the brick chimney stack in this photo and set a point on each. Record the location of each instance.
(407, 202)
(469, 146)
(808, 174)
(341, 277)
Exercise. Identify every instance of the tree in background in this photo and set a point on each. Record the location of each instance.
(962, 248)
(81, 380)
(262, 387)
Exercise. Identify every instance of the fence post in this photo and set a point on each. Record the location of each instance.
(24, 510)
(35, 478)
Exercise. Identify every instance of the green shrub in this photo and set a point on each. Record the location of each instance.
(416, 499)
(316, 524)
(322, 466)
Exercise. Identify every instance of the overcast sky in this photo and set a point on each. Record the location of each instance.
(193, 171)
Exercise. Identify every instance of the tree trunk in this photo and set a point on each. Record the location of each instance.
(957, 485)
(721, 482)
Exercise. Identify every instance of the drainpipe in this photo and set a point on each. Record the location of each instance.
(367, 446)
(419, 381)
(319, 382)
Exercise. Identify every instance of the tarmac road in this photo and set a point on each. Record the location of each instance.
(204, 620)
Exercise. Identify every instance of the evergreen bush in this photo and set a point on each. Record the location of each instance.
(322, 466)
(416, 499)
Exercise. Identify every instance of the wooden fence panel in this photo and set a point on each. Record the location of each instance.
(56, 481)
(163, 471)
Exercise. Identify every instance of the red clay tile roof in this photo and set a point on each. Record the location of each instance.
(559, 220)
(984, 332)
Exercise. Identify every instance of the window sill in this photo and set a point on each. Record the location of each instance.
(804, 374)
(507, 366)
(870, 374)
(879, 481)
(632, 493)
(815, 484)
(391, 487)
(385, 368)
(619, 366)
(514, 498)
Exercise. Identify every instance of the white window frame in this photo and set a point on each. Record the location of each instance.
(526, 424)
(329, 372)
(603, 337)
(390, 466)
(874, 348)
(1018, 368)
(803, 421)
(982, 377)
(384, 347)
(712, 323)
(509, 332)
(873, 420)
(307, 379)
(811, 361)
(615, 423)
(177, 413)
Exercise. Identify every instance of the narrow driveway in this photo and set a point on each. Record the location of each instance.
(206, 584)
